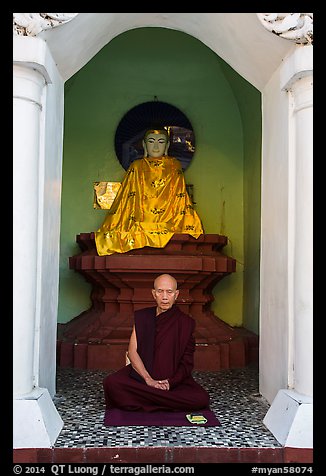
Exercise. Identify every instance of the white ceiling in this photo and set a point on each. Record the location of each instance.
(238, 38)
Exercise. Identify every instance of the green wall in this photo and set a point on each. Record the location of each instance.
(225, 113)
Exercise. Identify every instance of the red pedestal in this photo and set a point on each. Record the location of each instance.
(122, 283)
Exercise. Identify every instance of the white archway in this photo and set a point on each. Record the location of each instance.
(282, 71)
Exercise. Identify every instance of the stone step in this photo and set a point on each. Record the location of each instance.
(163, 455)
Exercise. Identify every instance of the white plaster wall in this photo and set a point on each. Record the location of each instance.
(297, 78)
(275, 281)
(32, 54)
(50, 211)
(286, 344)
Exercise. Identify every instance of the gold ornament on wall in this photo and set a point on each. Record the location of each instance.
(104, 194)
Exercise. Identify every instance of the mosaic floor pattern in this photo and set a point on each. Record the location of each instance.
(234, 399)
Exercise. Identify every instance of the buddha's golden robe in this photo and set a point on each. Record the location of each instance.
(151, 205)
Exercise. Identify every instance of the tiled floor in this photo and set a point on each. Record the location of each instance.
(234, 399)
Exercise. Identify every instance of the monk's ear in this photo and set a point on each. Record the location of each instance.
(154, 295)
(176, 293)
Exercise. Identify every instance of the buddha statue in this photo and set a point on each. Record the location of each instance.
(152, 203)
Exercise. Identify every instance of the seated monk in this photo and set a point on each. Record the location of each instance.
(152, 203)
(161, 354)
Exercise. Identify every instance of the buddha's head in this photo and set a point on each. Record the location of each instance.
(156, 143)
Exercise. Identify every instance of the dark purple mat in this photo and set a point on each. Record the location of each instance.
(116, 417)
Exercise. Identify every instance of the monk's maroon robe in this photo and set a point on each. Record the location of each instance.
(166, 346)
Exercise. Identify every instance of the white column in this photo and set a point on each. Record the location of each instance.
(28, 86)
(290, 417)
(302, 91)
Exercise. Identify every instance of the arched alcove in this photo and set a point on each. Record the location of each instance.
(189, 76)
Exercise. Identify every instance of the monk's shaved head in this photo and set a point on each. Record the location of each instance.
(165, 292)
(167, 279)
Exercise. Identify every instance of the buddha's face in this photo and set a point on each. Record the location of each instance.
(156, 145)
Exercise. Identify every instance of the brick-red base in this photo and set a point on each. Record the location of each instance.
(121, 283)
(209, 357)
(163, 455)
